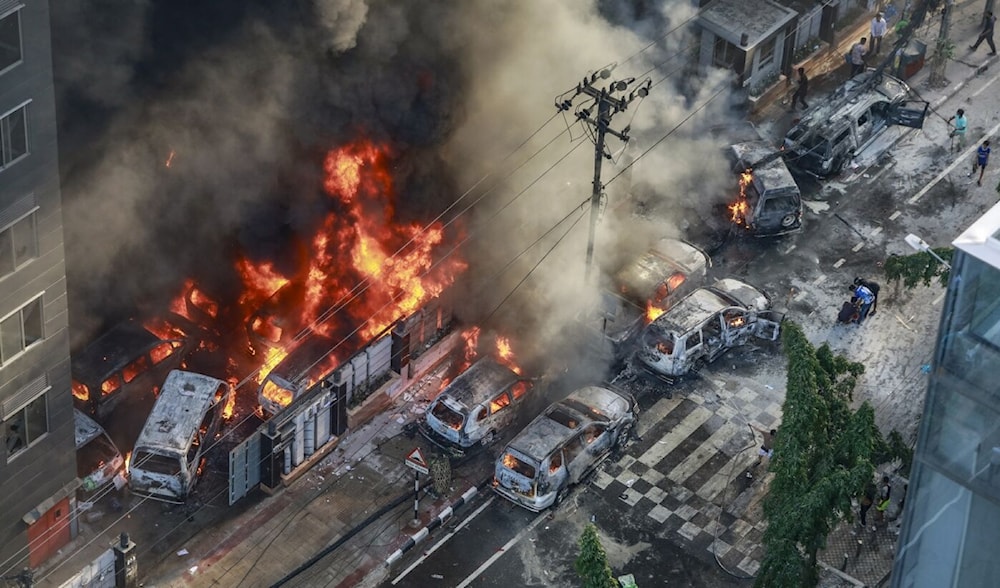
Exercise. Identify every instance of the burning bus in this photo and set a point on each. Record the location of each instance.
(769, 203)
(169, 453)
(703, 326)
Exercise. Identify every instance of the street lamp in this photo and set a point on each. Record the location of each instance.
(921, 245)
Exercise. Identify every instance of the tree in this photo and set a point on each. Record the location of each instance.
(919, 267)
(823, 456)
(592, 564)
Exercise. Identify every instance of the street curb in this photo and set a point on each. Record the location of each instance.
(444, 515)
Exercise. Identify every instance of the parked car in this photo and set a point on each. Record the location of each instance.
(570, 439)
(770, 203)
(98, 460)
(127, 362)
(646, 286)
(168, 455)
(300, 369)
(832, 133)
(476, 408)
(703, 326)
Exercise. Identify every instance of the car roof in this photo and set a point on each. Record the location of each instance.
(86, 429)
(851, 99)
(701, 304)
(178, 411)
(480, 382)
(586, 405)
(307, 356)
(641, 277)
(111, 352)
(773, 174)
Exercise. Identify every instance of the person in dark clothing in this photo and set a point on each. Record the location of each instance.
(884, 495)
(986, 34)
(802, 90)
(864, 298)
(873, 287)
(867, 500)
(849, 313)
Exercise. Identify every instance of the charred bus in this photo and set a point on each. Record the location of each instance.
(168, 455)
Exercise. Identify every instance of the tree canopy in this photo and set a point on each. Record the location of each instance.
(918, 268)
(592, 564)
(823, 456)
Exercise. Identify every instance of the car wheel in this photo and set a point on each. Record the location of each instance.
(488, 439)
(788, 220)
(624, 436)
(561, 496)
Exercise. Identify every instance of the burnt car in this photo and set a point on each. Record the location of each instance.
(832, 133)
(301, 368)
(126, 364)
(703, 326)
(770, 203)
(170, 450)
(476, 408)
(645, 287)
(98, 461)
(562, 445)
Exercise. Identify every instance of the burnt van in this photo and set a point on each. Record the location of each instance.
(480, 405)
(167, 458)
(558, 449)
(703, 326)
(769, 203)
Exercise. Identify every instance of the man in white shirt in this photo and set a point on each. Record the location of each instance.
(878, 30)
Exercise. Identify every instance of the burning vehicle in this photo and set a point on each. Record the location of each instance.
(126, 363)
(831, 134)
(169, 454)
(703, 326)
(646, 287)
(561, 446)
(299, 370)
(98, 460)
(481, 404)
(769, 203)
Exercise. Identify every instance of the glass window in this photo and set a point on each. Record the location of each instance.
(13, 136)
(500, 402)
(766, 53)
(7, 266)
(32, 318)
(573, 448)
(10, 40)
(26, 426)
(135, 368)
(724, 54)
(20, 330)
(25, 241)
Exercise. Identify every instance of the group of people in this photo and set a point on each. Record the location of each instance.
(863, 302)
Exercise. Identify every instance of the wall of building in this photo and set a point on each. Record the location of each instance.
(43, 470)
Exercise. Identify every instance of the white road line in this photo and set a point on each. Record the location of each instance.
(880, 172)
(502, 550)
(819, 280)
(858, 247)
(875, 231)
(443, 540)
(961, 160)
(938, 300)
(789, 250)
(987, 85)
(840, 262)
(895, 215)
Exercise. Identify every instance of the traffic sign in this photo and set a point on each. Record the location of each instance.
(415, 459)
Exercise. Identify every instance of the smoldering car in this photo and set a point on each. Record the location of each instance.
(572, 437)
(770, 203)
(98, 460)
(703, 326)
(479, 406)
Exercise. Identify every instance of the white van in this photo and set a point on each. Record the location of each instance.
(184, 421)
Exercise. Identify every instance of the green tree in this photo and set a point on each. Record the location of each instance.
(823, 457)
(592, 564)
(918, 268)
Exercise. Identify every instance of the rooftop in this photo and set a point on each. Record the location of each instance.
(179, 410)
(759, 19)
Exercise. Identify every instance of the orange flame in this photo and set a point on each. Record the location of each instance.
(506, 355)
(164, 329)
(739, 209)
(80, 391)
(471, 338)
(652, 312)
(128, 462)
(170, 158)
(230, 407)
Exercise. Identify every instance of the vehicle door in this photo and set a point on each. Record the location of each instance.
(694, 346)
(501, 411)
(555, 475)
(713, 336)
(768, 325)
(909, 113)
(736, 326)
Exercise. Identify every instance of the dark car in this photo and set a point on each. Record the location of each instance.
(769, 203)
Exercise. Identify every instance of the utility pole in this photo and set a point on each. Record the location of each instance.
(608, 105)
(944, 49)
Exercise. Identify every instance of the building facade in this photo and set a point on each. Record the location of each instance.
(951, 520)
(38, 459)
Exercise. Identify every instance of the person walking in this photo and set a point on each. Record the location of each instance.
(884, 493)
(866, 501)
(877, 29)
(960, 126)
(858, 53)
(801, 90)
(986, 34)
(766, 447)
(982, 158)
(874, 288)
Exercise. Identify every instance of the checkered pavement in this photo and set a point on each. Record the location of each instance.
(687, 471)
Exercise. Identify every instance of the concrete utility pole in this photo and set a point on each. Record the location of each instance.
(607, 105)
(943, 48)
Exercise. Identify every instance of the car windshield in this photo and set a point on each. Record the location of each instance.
(155, 463)
(446, 415)
(515, 464)
(661, 341)
(94, 455)
(779, 204)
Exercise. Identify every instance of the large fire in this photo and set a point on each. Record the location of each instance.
(506, 355)
(740, 209)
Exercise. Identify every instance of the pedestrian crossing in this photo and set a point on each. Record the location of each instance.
(686, 471)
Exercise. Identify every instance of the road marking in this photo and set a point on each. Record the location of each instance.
(443, 540)
(703, 452)
(875, 231)
(959, 161)
(840, 262)
(895, 215)
(858, 247)
(502, 550)
(880, 172)
(675, 436)
(819, 280)
(980, 90)
(789, 250)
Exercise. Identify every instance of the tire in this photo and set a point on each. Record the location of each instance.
(488, 439)
(788, 220)
(561, 496)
